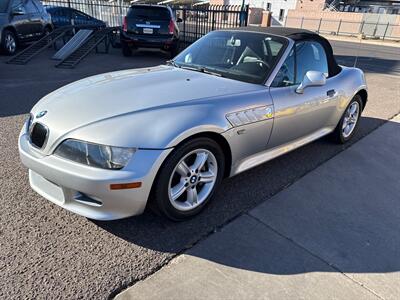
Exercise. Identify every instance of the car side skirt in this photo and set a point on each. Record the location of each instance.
(269, 154)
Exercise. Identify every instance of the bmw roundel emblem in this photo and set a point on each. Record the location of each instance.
(41, 114)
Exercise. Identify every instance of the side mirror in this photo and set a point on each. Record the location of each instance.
(312, 78)
(17, 11)
(179, 20)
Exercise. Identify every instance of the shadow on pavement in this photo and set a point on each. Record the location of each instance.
(21, 86)
(245, 191)
(371, 64)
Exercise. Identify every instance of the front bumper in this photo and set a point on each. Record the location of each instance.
(86, 190)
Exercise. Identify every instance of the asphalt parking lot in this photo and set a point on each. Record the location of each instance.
(47, 252)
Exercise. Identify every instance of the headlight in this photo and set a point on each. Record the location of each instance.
(94, 155)
(28, 121)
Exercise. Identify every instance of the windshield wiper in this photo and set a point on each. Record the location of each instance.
(202, 70)
(172, 63)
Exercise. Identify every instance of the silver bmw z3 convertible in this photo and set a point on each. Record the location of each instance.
(105, 146)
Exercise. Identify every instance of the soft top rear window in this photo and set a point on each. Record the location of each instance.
(149, 13)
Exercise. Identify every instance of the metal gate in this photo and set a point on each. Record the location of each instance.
(198, 21)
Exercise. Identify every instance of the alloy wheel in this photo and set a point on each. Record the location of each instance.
(350, 119)
(10, 44)
(193, 179)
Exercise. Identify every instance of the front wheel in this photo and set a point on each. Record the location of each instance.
(9, 42)
(348, 124)
(188, 178)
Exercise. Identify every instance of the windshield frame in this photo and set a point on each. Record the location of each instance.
(286, 42)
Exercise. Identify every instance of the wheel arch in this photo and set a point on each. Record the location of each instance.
(12, 29)
(49, 26)
(364, 96)
(221, 141)
(218, 138)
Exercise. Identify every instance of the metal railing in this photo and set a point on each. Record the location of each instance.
(196, 20)
(373, 30)
(110, 12)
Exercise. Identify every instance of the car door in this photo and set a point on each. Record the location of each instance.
(20, 20)
(35, 20)
(61, 16)
(42, 16)
(302, 115)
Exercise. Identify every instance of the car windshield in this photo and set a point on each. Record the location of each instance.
(244, 56)
(149, 13)
(4, 5)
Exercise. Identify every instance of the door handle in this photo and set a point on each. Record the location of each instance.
(331, 93)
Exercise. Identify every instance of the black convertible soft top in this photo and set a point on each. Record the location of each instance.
(297, 35)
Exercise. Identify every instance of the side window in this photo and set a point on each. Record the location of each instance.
(272, 47)
(30, 7)
(286, 74)
(310, 56)
(80, 16)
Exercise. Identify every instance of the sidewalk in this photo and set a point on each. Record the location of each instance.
(333, 234)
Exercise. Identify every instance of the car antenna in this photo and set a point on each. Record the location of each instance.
(358, 49)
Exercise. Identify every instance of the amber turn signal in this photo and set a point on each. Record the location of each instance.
(123, 186)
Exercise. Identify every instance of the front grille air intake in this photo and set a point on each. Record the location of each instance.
(38, 135)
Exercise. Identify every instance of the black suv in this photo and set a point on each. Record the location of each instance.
(150, 26)
(22, 21)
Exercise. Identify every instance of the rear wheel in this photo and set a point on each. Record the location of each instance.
(174, 50)
(47, 30)
(126, 50)
(188, 178)
(348, 124)
(9, 42)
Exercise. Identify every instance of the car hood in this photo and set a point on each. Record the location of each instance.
(105, 96)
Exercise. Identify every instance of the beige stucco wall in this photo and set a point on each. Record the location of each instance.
(348, 23)
(255, 15)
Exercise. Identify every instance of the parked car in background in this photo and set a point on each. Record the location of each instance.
(22, 21)
(64, 16)
(150, 26)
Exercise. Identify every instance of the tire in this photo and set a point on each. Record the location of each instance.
(174, 50)
(342, 135)
(47, 30)
(8, 43)
(126, 51)
(191, 186)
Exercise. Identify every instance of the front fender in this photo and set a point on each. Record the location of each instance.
(154, 129)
